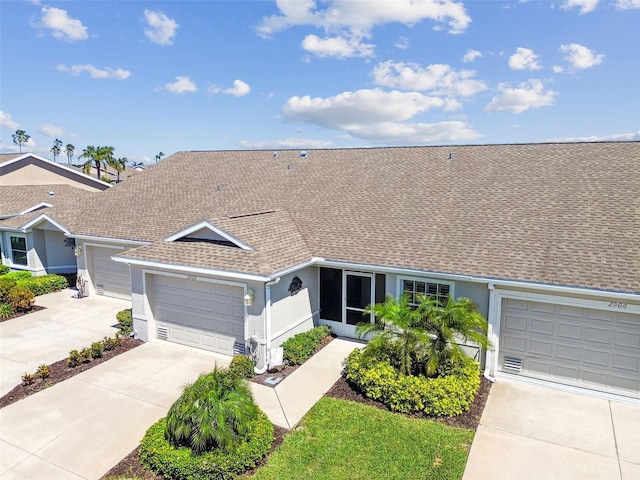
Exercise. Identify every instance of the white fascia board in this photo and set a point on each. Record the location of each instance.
(313, 262)
(93, 238)
(542, 287)
(41, 218)
(190, 270)
(56, 165)
(213, 228)
(36, 207)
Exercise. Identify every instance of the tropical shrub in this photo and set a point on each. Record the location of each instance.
(6, 284)
(4, 269)
(43, 371)
(301, 347)
(86, 355)
(17, 275)
(213, 412)
(28, 378)
(110, 343)
(6, 311)
(97, 349)
(242, 366)
(44, 284)
(125, 322)
(20, 298)
(447, 395)
(181, 463)
(74, 359)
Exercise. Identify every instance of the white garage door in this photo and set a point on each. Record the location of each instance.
(588, 348)
(201, 314)
(110, 278)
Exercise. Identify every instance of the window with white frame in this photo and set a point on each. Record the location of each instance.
(18, 249)
(415, 287)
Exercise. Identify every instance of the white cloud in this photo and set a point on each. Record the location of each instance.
(52, 130)
(161, 29)
(438, 79)
(239, 89)
(471, 56)
(95, 72)
(7, 122)
(286, 143)
(618, 137)
(524, 59)
(530, 94)
(585, 6)
(181, 85)
(402, 43)
(379, 116)
(61, 25)
(339, 47)
(580, 57)
(627, 4)
(558, 68)
(346, 22)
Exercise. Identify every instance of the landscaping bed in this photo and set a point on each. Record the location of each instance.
(35, 308)
(60, 371)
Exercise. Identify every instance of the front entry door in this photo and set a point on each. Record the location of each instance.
(358, 294)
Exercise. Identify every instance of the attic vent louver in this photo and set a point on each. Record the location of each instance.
(275, 154)
(303, 154)
(218, 187)
(450, 156)
(52, 193)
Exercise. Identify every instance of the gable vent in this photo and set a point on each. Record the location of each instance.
(163, 332)
(512, 364)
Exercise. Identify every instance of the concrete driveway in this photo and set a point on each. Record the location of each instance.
(80, 428)
(48, 335)
(530, 432)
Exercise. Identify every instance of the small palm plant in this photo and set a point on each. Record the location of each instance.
(215, 412)
(456, 320)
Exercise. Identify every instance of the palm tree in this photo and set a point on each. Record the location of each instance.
(159, 157)
(20, 137)
(56, 149)
(397, 322)
(103, 157)
(457, 320)
(215, 411)
(89, 153)
(69, 149)
(119, 165)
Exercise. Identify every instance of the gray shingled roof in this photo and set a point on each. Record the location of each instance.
(553, 213)
(19, 198)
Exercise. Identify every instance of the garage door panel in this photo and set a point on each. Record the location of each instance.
(110, 278)
(596, 349)
(206, 315)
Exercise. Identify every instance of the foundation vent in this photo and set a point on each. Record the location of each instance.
(512, 364)
(100, 289)
(239, 348)
(163, 332)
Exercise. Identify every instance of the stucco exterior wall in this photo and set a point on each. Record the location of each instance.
(60, 258)
(37, 172)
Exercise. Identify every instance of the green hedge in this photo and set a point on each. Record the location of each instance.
(438, 396)
(17, 275)
(302, 346)
(125, 322)
(6, 284)
(4, 269)
(179, 463)
(242, 366)
(44, 284)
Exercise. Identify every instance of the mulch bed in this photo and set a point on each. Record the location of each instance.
(286, 370)
(35, 308)
(60, 371)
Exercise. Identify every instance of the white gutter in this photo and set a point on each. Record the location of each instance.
(187, 269)
(93, 238)
(314, 261)
(267, 324)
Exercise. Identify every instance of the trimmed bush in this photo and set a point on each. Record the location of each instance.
(242, 366)
(44, 371)
(110, 343)
(448, 395)
(4, 269)
(28, 378)
(6, 284)
(21, 298)
(75, 359)
(97, 349)
(18, 275)
(125, 322)
(299, 348)
(44, 284)
(6, 311)
(180, 463)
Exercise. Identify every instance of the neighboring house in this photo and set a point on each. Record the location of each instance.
(29, 183)
(226, 250)
(30, 169)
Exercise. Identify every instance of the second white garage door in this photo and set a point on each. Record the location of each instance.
(202, 314)
(110, 278)
(583, 347)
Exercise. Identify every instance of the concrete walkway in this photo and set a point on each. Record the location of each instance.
(80, 428)
(529, 432)
(48, 335)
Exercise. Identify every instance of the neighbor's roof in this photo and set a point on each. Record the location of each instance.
(19, 199)
(552, 213)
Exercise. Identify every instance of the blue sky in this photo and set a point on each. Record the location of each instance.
(149, 77)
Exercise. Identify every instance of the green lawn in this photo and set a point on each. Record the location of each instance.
(343, 439)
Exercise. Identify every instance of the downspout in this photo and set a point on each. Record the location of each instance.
(489, 372)
(267, 326)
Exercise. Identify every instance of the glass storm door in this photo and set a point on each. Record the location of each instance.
(358, 294)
